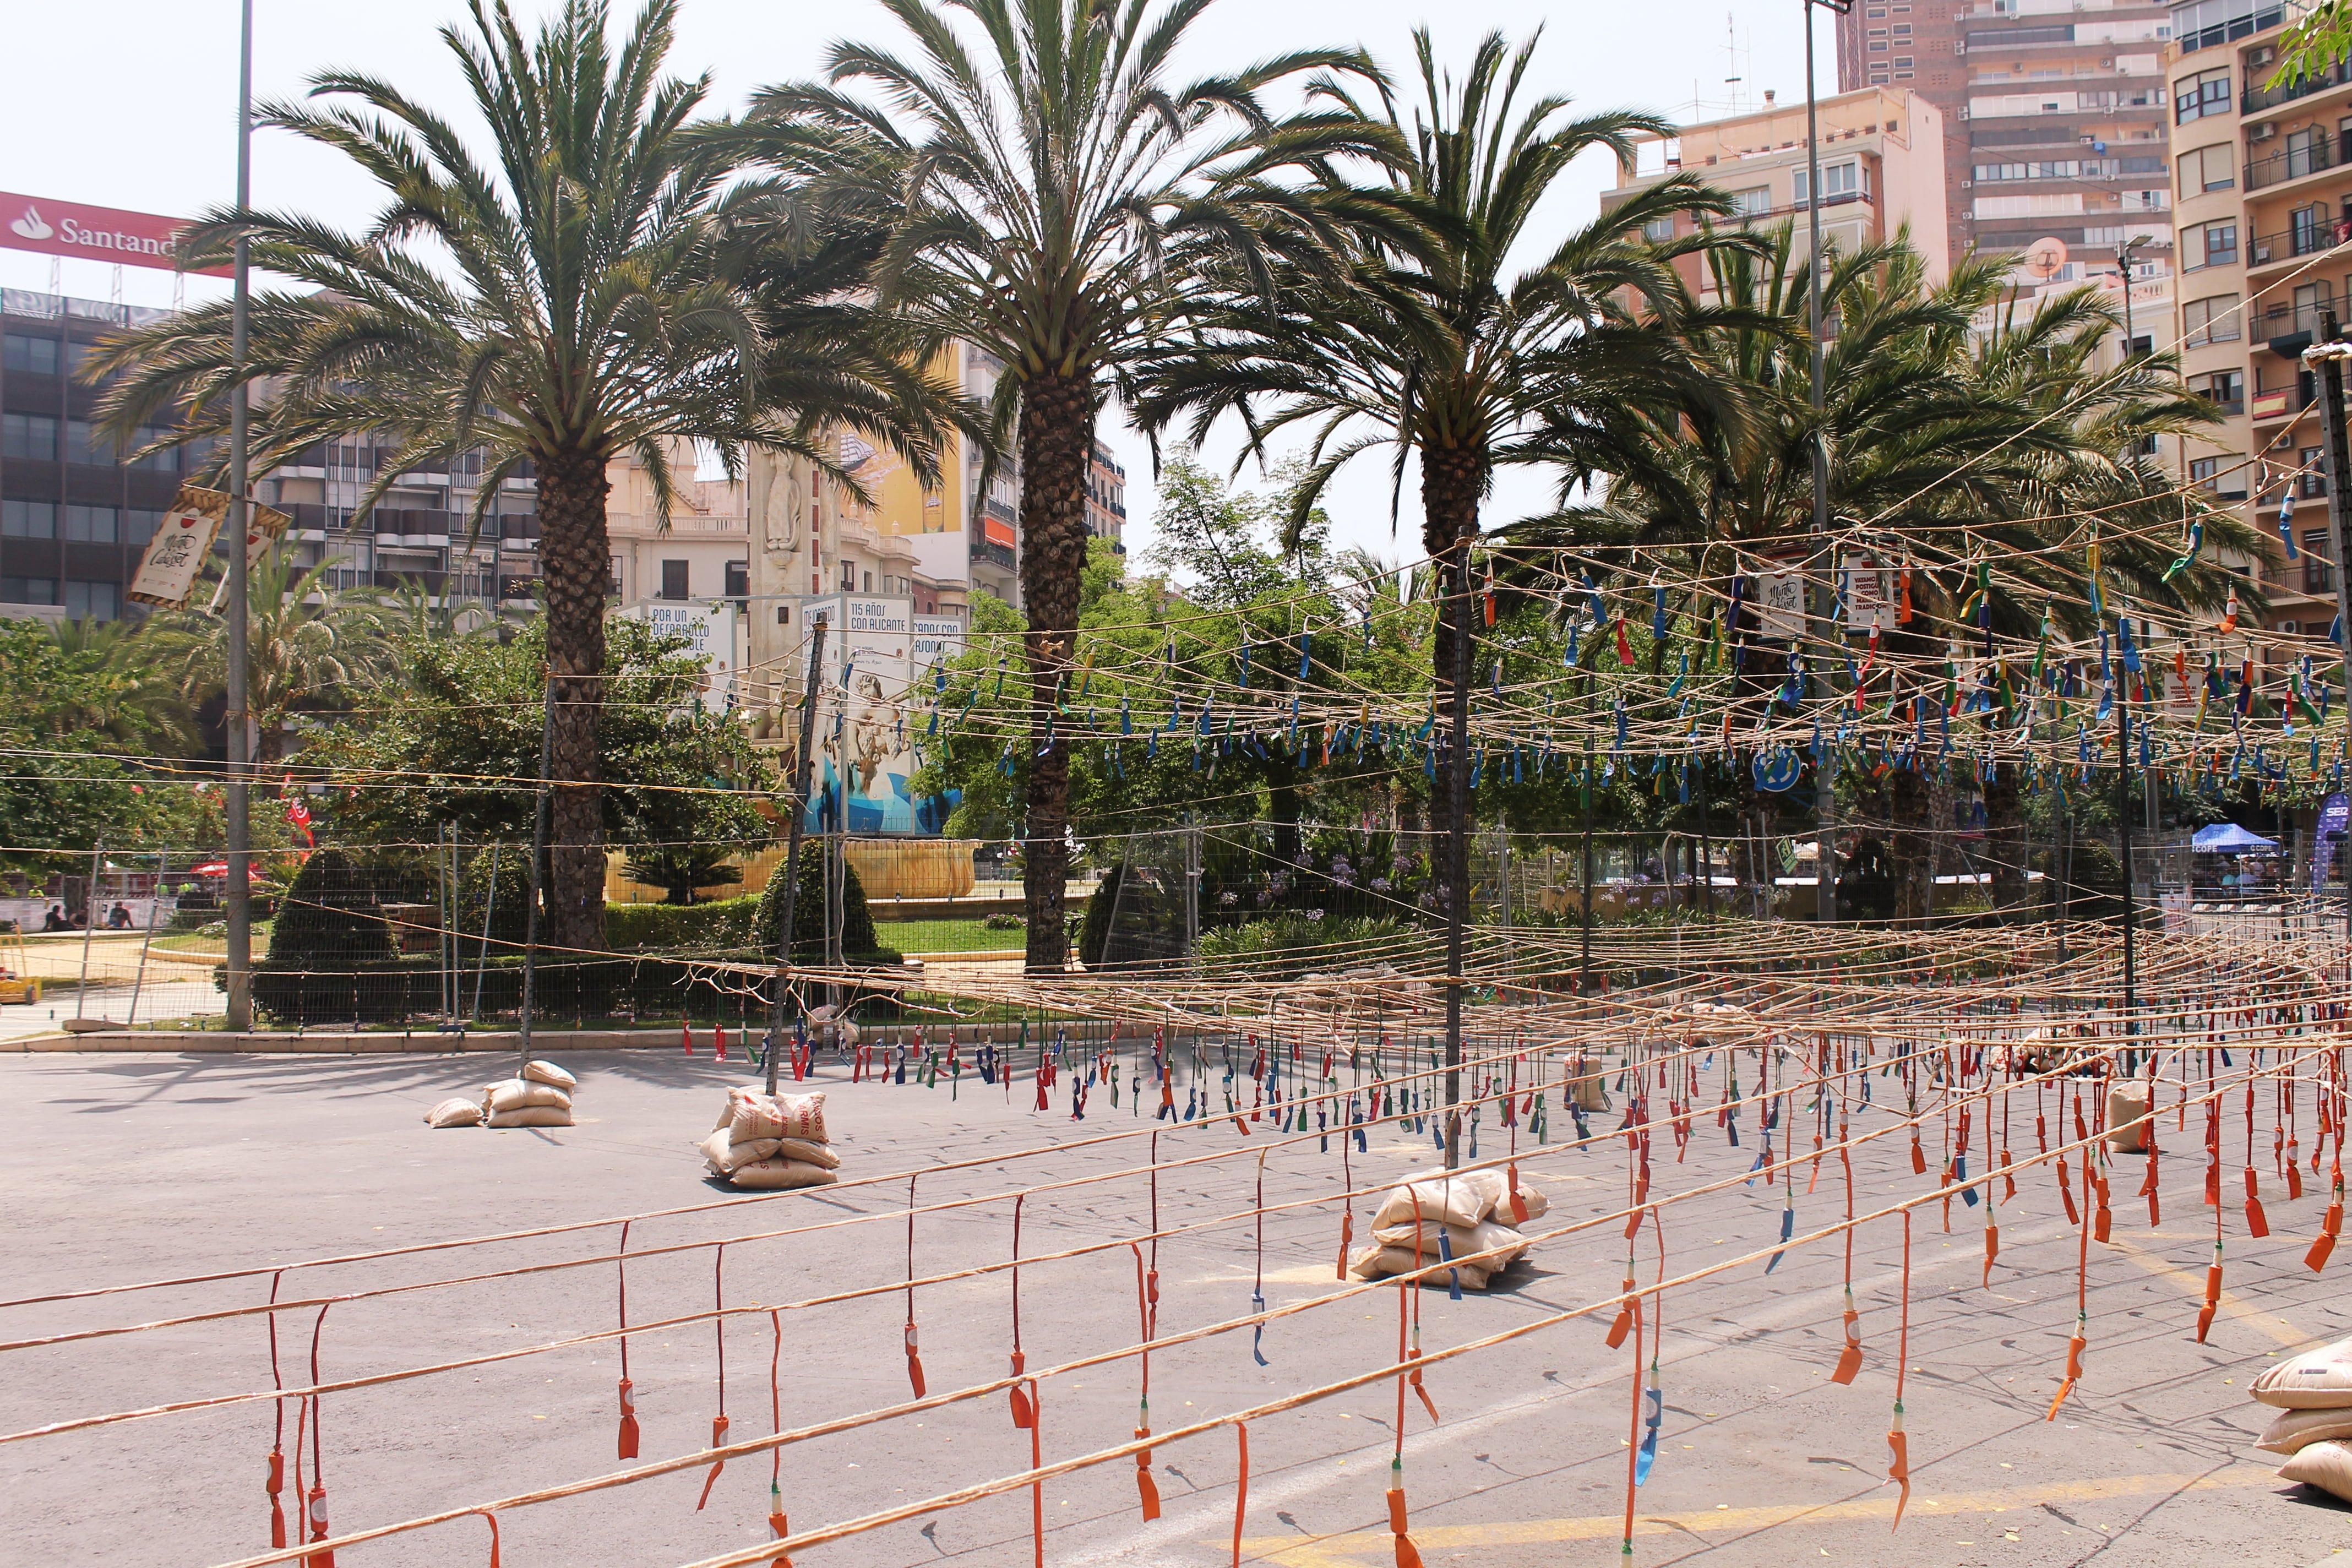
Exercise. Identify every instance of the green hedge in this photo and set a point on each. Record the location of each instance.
(638, 928)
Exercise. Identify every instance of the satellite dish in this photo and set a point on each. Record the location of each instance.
(2044, 256)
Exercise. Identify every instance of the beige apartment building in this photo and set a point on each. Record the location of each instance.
(1882, 156)
(2055, 114)
(2264, 188)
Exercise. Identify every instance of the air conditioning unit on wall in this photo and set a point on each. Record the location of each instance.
(2264, 131)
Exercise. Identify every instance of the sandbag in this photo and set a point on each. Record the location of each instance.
(1588, 1084)
(2315, 1380)
(755, 1115)
(521, 1094)
(802, 1149)
(455, 1113)
(1460, 1200)
(782, 1174)
(1377, 1262)
(533, 1116)
(725, 1154)
(1487, 1236)
(548, 1072)
(2128, 1116)
(1538, 1206)
(2291, 1431)
(2328, 1466)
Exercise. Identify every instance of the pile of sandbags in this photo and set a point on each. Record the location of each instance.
(1476, 1212)
(2311, 1397)
(771, 1142)
(540, 1097)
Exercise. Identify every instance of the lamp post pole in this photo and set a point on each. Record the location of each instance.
(236, 800)
(1824, 608)
(2328, 357)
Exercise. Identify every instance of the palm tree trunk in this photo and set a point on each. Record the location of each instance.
(2005, 839)
(1453, 483)
(1057, 428)
(575, 562)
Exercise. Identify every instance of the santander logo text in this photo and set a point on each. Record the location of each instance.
(96, 234)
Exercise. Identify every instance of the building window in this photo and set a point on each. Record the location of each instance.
(28, 520)
(2318, 570)
(1878, 45)
(2225, 387)
(30, 436)
(93, 601)
(869, 584)
(141, 523)
(2210, 320)
(1659, 230)
(28, 590)
(2312, 481)
(1755, 202)
(92, 524)
(739, 579)
(1903, 62)
(33, 355)
(2213, 168)
(2195, 97)
(2209, 245)
(1837, 179)
(674, 580)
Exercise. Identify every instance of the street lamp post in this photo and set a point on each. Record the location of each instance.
(236, 800)
(1824, 608)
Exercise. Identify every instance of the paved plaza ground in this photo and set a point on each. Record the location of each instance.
(123, 1167)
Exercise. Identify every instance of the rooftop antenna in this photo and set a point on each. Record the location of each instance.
(1732, 59)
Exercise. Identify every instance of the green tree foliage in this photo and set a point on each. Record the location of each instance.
(860, 944)
(601, 284)
(1060, 190)
(454, 738)
(76, 718)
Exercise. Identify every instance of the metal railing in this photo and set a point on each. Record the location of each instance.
(2254, 99)
(2304, 239)
(2295, 321)
(2316, 156)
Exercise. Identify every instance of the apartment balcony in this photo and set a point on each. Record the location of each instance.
(2256, 100)
(2290, 244)
(2288, 329)
(2286, 166)
(2281, 402)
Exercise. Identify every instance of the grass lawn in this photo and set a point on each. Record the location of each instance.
(196, 942)
(948, 936)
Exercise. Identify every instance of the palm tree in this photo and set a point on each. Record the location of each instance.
(1951, 447)
(143, 704)
(1058, 195)
(307, 644)
(595, 288)
(1438, 344)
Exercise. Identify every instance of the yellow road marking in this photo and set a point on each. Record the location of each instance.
(2237, 1306)
(1355, 1549)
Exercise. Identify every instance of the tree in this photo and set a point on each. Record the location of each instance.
(450, 736)
(596, 287)
(1437, 343)
(678, 869)
(1976, 448)
(67, 717)
(308, 644)
(1058, 192)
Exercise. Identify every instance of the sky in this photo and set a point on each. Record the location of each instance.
(133, 104)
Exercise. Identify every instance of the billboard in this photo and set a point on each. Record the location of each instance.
(94, 233)
(866, 712)
(710, 631)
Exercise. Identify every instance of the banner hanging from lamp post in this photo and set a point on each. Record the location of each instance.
(184, 542)
(94, 233)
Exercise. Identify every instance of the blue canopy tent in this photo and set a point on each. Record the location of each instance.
(2228, 838)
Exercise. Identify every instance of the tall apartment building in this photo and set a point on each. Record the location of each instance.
(1106, 498)
(1882, 156)
(74, 518)
(2265, 193)
(2054, 112)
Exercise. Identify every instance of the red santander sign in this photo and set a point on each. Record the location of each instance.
(93, 234)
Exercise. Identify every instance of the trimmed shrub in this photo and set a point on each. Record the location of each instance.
(642, 928)
(860, 945)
